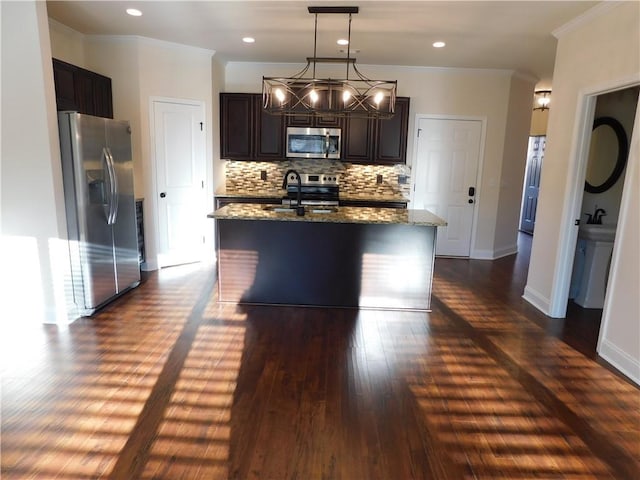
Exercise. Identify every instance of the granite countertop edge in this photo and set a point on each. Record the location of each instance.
(364, 215)
(278, 194)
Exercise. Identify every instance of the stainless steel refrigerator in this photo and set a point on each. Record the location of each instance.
(97, 169)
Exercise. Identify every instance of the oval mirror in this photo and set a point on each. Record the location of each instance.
(607, 155)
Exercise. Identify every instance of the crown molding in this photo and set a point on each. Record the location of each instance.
(64, 28)
(591, 14)
(152, 42)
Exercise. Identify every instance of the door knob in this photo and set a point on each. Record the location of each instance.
(472, 192)
(162, 195)
(470, 200)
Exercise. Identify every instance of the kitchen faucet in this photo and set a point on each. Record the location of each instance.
(299, 206)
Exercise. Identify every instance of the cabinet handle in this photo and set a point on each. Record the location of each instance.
(163, 194)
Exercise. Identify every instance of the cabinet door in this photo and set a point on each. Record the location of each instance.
(327, 121)
(63, 78)
(82, 90)
(391, 135)
(236, 126)
(357, 140)
(85, 93)
(102, 96)
(269, 140)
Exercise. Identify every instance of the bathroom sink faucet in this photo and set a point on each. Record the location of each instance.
(299, 206)
(596, 218)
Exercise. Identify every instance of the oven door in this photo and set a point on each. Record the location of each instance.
(313, 142)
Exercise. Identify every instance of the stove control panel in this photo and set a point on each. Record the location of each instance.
(325, 179)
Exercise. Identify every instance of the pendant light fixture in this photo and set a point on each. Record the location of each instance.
(353, 95)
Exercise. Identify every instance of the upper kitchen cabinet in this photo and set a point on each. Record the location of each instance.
(357, 140)
(376, 140)
(82, 90)
(328, 121)
(247, 132)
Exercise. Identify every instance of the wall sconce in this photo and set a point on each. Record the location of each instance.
(542, 99)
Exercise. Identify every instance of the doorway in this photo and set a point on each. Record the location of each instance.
(445, 178)
(605, 167)
(179, 157)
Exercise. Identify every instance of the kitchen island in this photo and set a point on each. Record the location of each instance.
(335, 257)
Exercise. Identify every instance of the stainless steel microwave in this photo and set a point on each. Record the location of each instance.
(313, 142)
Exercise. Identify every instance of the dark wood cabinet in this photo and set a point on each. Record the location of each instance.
(246, 131)
(326, 121)
(82, 90)
(236, 126)
(377, 140)
(270, 133)
(357, 140)
(391, 135)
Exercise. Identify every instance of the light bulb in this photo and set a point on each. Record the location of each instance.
(544, 101)
(346, 95)
(279, 95)
(314, 96)
(378, 97)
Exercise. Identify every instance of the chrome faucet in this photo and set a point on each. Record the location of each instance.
(285, 182)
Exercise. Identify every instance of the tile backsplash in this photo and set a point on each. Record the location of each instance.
(355, 179)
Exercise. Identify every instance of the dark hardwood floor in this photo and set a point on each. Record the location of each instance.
(167, 383)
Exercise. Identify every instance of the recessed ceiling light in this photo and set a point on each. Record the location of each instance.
(134, 12)
(249, 40)
(439, 44)
(343, 41)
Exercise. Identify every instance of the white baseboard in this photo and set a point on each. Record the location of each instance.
(477, 254)
(494, 254)
(536, 299)
(505, 251)
(621, 360)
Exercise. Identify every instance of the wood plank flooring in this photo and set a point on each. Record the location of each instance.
(167, 383)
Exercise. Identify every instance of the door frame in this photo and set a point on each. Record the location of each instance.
(473, 253)
(572, 204)
(151, 204)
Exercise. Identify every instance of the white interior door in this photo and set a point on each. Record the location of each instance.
(445, 173)
(180, 171)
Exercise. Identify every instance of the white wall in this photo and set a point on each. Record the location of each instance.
(442, 91)
(67, 44)
(33, 224)
(513, 167)
(217, 86)
(598, 54)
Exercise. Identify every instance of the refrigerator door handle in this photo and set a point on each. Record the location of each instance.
(113, 187)
(108, 194)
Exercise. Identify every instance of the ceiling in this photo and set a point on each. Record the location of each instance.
(514, 35)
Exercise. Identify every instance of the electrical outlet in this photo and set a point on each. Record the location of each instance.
(402, 179)
(378, 179)
(263, 174)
